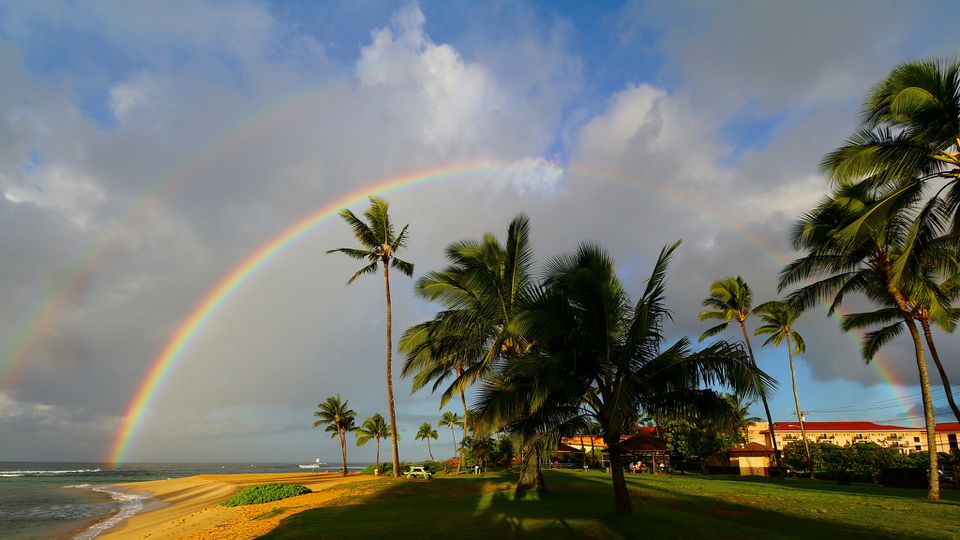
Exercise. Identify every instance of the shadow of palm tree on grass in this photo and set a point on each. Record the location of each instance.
(579, 505)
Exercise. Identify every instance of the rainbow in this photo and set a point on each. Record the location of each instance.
(181, 339)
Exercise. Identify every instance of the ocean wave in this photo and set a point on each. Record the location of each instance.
(130, 504)
(15, 474)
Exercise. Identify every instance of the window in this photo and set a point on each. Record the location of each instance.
(952, 440)
(916, 439)
(917, 447)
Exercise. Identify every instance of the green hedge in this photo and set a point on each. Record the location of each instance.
(264, 493)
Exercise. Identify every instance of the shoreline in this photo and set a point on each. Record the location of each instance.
(189, 507)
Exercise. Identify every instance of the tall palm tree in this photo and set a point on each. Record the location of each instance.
(597, 355)
(484, 285)
(336, 415)
(427, 432)
(379, 245)
(864, 263)
(374, 427)
(731, 300)
(778, 318)
(451, 420)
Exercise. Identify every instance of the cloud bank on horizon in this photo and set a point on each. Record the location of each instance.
(148, 149)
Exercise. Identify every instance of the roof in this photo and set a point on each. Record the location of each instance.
(838, 426)
(589, 441)
(751, 449)
(948, 427)
(567, 449)
(643, 442)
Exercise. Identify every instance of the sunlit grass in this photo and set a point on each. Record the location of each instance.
(578, 505)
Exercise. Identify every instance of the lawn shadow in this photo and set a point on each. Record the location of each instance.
(575, 505)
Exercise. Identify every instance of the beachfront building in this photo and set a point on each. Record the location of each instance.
(906, 440)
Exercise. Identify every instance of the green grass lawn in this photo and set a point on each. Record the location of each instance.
(579, 505)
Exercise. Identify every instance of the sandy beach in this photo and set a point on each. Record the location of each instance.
(190, 507)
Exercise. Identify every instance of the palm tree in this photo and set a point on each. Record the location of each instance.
(598, 356)
(731, 299)
(864, 263)
(484, 285)
(374, 427)
(910, 135)
(379, 245)
(778, 318)
(427, 432)
(931, 303)
(451, 420)
(336, 415)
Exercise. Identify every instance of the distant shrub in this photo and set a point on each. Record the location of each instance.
(264, 493)
(433, 467)
(387, 468)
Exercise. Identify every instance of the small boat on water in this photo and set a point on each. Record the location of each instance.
(316, 465)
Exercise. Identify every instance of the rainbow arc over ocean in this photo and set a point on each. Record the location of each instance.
(173, 351)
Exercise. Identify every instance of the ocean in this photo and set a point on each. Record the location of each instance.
(74, 500)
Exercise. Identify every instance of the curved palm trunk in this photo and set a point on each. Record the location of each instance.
(933, 489)
(463, 399)
(621, 496)
(343, 451)
(393, 413)
(925, 323)
(453, 435)
(796, 401)
(766, 406)
(428, 449)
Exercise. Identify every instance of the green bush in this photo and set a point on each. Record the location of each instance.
(264, 493)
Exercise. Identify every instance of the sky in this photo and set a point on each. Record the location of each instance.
(147, 149)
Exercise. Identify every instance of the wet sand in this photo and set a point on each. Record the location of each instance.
(190, 507)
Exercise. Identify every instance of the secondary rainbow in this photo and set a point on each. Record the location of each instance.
(173, 350)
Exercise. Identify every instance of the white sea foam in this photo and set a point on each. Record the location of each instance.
(130, 504)
(14, 474)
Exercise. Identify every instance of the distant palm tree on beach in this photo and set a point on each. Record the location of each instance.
(379, 245)
(336, 415)
(374, 427)
(451, 420)
(427, 432)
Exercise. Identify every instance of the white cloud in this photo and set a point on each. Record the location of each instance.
(131, 93)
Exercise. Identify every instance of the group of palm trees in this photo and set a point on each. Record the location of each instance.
(339, 419)
(448, 420)
(550, 356)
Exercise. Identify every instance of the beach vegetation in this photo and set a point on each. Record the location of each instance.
(484, 285)
(375, 428)
(379, 244)
(339, 419)
(265, 493)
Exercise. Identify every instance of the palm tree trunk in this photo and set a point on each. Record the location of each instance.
(393, 413)
(343, 452)
(621, 495)
(429, 451)
(943, 374)
(933, 489)
(463, 400)
(796, 401)
(584, 448)
(378, 455)
(766, 406)
(453, 435)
